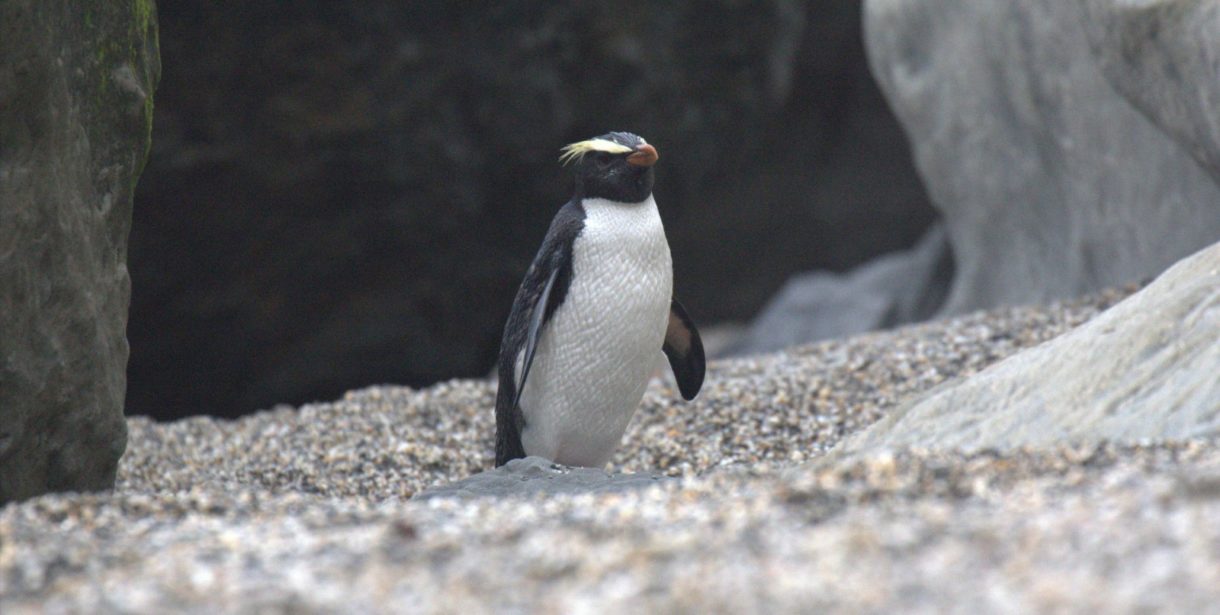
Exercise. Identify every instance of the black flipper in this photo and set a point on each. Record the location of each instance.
(685, 351)
(542, 292)
(535, 331)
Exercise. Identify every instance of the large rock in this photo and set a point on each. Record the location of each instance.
(1163, 56)
(1051, 182)
(890, 290)
(76, 85)
(348, 193)
(1146, 369)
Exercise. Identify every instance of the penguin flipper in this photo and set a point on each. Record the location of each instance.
(684, 349)
(535, 331)
(542, 291)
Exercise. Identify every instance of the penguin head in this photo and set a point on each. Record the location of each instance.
(616, 166)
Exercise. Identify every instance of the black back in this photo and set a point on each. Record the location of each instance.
(555, 256)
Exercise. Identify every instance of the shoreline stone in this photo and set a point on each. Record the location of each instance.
(76, 88)
(1070, 146)
(1147, 368)
(534, 476)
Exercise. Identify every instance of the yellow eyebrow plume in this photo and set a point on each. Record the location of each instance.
(576, 151)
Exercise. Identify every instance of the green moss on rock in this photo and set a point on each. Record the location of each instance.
(77, 86)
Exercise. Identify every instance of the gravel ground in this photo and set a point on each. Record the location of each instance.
(777, 409)
(309, 510)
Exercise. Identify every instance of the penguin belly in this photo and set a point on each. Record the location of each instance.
(596, 354)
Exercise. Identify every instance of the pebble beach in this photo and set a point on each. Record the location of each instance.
(313, 509)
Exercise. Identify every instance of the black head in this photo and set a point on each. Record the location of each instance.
(615, 166)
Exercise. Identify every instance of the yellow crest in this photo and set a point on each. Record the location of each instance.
(576, 151)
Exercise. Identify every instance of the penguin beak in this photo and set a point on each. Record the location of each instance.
(644, 156)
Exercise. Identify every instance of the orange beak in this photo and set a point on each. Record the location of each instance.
(644, 156)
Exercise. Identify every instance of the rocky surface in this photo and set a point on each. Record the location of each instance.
(1051, 181)
(311, 509)
(770, 409)
(344, 193)
(890, 290)
(533, 476)
(1162, 55)
(1097, 529)
(1147, 368)
(76, 86)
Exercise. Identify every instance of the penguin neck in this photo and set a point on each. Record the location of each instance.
(618, 221)
(633, 187)
(624, 229)
(587, 201)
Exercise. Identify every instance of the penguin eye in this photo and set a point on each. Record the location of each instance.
(602, 159)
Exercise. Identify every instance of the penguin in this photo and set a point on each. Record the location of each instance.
(594, 308)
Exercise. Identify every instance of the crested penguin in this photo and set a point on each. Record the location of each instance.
(593, 310)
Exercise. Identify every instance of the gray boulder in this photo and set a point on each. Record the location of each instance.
(537, 476)
(1053, 184)
(76, 85)
(890, 290)
(1146, 369)
(1163, 56)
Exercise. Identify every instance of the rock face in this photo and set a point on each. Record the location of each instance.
(76, 85)
(890, 290)
(1052, 183)
(354, 191)
(1146, 369)
(1162, 55)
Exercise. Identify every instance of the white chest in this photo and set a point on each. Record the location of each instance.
(596, 354)
(622, 255)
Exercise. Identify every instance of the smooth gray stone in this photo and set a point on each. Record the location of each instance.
(889, 290)
(534, 476)
(1053, 184)
(76, 85)
(1146, 369)
(1164, 56)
